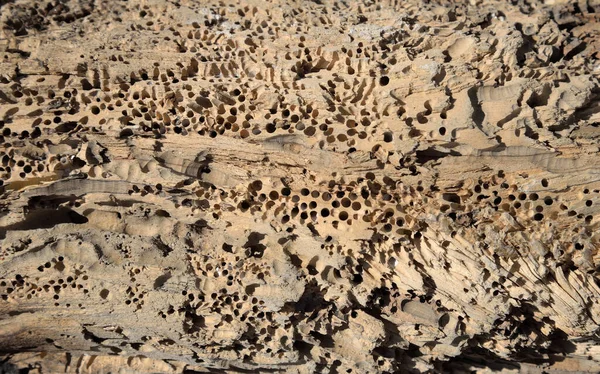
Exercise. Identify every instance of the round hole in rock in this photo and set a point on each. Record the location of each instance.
(257, 185)
(346, 202)
(444, 320)
(384, 80)
(310, 131)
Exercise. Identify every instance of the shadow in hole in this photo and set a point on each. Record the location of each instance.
(44, 219)
(522, 323)
(253, 246)
(9, 368)
(476, 357)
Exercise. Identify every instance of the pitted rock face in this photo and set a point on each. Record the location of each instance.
(304, 187)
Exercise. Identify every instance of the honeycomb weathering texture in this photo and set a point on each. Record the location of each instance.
(299, 186)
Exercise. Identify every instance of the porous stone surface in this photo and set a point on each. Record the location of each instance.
(299, 186)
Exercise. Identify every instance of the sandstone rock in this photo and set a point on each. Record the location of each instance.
(303, 187)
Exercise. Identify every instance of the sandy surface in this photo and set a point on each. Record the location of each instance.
(299, 186)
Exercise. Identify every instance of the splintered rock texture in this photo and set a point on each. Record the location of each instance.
(299, 186)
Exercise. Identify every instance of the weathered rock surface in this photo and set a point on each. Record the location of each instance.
(299, 186)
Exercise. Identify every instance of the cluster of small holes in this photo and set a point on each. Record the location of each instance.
(134, 294)
(63, 278)
(356, 119)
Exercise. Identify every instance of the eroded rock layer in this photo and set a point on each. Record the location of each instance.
(299, 186)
